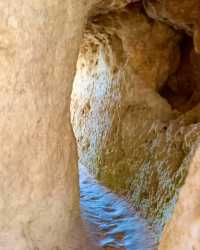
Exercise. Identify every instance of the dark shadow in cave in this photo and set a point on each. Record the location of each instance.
(182, 89)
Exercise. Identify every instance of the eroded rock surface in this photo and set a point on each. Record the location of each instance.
(139, 58)
(181, 14)
(183, 231)
(135, 107)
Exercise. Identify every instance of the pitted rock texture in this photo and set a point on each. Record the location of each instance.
(131, 133)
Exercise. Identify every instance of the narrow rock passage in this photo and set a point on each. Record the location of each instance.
(114, 223)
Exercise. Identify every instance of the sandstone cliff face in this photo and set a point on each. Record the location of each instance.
(134, 107)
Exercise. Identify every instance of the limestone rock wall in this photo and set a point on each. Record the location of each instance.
(136, 136)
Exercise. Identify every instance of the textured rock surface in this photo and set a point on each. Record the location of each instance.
(39, 196)
(130, 70)
(105, 6)
(181, 14)
(182, 88)
(39, 41)
(183, 231)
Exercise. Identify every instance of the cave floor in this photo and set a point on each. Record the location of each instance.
(112, 220)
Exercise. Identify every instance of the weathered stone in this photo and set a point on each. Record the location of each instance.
(127, 136)
(105, 6)
(39, 196)
(138, 57)
(181, 14)
(183, 231)
(182, 88)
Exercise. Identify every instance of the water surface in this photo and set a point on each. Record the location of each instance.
(113, 221)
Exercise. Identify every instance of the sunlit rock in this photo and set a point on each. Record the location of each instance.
(141, 93)
(135, 107)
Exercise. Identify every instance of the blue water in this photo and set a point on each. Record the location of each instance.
(113, 221)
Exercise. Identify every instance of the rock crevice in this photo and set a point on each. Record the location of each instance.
(135, 104)
(139, 114)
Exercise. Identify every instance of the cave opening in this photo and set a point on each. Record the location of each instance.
(134, 102)
(182, 88)
(135, 112)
